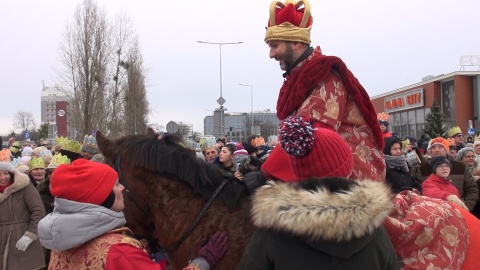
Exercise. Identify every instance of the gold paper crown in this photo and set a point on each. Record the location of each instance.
(207, 143)
(60, 140)
(15, 147)
(36, 163)
(383, 117)
(451, 141)
(405, 144)
(5, 155)
(72, 146)
(287, 31)
(258, 141)
(454, 131)
(59, 159)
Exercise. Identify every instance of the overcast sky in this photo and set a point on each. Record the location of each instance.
(386, 44)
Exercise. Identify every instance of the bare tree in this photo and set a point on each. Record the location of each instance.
(96, 57)
(136, 104)
(185, 129)
(24, 120)
(268, 129)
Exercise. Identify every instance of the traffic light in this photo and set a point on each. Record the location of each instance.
(231, 128)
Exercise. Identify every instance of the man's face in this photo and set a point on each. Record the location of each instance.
(458, 139)
(283, 52)
(211, 153)
(437, 150)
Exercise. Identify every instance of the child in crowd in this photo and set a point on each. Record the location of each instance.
(438, 184)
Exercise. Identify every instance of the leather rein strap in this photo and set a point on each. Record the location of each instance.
(195, 221)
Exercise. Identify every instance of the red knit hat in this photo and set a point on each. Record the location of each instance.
(318, 152)
(83, 181)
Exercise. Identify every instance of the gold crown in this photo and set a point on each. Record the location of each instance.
(207, 143)
(59, 159)
(454, 131)
(72, 146)
(383, 117)
(5, 155)
(60, 140)
(287, 30)
(451, 141)
(36, 163)
(258, 141)
(405, 144)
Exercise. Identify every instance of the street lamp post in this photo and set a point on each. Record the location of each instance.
(251, 109)
(220, 101)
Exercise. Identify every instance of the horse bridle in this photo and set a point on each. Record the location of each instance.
(173, 247)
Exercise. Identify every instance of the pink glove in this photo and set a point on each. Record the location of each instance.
(215, 249)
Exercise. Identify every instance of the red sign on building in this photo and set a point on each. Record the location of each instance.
(61, 118)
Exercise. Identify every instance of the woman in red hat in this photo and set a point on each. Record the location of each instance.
(85, 230)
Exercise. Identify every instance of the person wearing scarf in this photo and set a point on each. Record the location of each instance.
(323, 89)
(398, 174)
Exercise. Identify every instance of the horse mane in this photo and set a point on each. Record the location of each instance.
(167, 157)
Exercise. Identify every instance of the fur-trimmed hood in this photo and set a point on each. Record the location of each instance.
(20, 181)
(328, 209)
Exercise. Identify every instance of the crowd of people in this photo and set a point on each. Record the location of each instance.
(334, 190)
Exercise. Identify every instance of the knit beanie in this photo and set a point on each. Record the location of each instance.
(318, 152)
(289, 21)
(90, 145)
(5, 161)
(439, 141)
(438, 161)
(462, 153)
(38, 150)
(84, 181)
(27, 151)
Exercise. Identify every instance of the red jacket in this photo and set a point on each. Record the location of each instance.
(437, 187)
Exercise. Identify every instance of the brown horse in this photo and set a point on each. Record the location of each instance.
(166, 187)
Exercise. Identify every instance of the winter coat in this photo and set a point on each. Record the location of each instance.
(47, 197)
(400, 180)
(461, 178)
(439, 188)
(301, 227)
(91, 228)
(21, 209)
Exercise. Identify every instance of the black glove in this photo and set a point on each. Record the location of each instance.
(253, 180)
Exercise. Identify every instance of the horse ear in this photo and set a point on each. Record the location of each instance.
(105, 145)
(150, 132)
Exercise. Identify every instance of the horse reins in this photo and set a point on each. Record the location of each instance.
(172, 248)
(196, 220)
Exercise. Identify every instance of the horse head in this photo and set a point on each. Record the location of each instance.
(173, 186)
(138, 221)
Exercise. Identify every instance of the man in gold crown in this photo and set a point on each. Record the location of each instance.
(456, 134)
(322, 88)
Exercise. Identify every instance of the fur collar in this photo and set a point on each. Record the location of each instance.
(319, 214)
(20, 181)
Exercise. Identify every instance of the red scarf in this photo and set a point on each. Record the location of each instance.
(2, 188)
(302, 81)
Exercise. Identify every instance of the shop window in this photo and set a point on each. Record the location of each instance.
(448, 101)
(420, 116)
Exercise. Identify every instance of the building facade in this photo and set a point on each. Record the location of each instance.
(238, 126)
(457, 94)
(54, 111)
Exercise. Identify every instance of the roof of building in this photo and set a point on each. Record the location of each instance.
(441, 77)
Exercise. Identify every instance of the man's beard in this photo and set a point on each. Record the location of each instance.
(287, 59)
